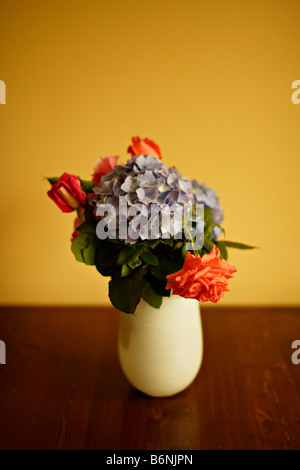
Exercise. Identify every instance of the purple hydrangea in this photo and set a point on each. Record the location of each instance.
(158, 191)
(208, 197)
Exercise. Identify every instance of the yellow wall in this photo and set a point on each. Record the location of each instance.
(210, 81)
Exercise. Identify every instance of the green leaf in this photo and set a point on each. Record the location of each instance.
(106, 258)
(87, 186)
(178, 245)
(53, 180)
(84, 248)
(240, 246)
(126, 270)
(219, 226)
(169, 262)
(134, 264)
(129, 254)
(89, 216)
(168, 241)
(152, 243)
(209, 229)
(158, 285)
(183, 251)
(150, 258)
(151, 297)
(208, 244)
(223, 250)
(87, 227)
(223, 230)
(126, 292)
(207, 213)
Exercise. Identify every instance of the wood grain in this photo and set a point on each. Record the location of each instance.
(62, 386)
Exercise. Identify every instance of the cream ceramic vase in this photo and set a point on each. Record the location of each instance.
(160, 350)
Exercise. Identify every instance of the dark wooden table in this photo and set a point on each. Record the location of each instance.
(62, 386)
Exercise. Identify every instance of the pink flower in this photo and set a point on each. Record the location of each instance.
(103, 166)
(204, 279)
(144, 147)
(67, 193)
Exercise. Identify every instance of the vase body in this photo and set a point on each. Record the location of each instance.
(160, 350)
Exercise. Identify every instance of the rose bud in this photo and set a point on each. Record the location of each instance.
(67, 193)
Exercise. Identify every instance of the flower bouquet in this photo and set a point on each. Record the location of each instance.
(153, 231)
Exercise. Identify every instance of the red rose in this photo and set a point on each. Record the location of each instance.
(204, 279)
(67, 193)
(144, 147)
(76, 233)
(77, 222)
(103, 166)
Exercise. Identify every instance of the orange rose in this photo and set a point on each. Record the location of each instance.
(204, 279)
(144, 147)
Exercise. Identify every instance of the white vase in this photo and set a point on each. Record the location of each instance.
(160, 350)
